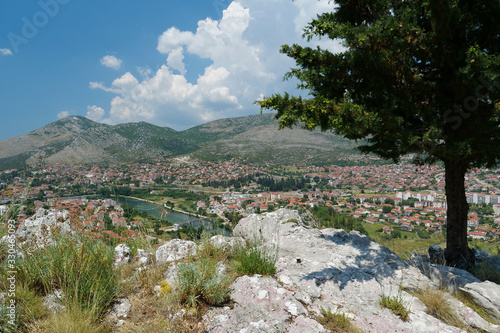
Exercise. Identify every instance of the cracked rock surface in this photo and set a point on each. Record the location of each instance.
(329, 269)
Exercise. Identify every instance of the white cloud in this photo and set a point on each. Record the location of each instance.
(145, 72)
(63, 114)
(5, 52)
(111, 62)
(95, 113)
(175, 60)
(245, 64)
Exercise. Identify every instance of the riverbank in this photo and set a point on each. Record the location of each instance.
(165, 206)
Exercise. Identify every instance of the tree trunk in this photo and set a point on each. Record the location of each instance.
(457, 252)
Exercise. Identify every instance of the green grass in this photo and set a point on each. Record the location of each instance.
(336, 322)
(395, 304)
(402, 247)
(81, 267)
(253, 259)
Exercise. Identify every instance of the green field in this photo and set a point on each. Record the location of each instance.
(401, 246)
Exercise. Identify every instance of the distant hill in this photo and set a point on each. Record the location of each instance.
(78, 140)
(258, 139)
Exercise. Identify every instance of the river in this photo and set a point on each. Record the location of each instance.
(157, 211)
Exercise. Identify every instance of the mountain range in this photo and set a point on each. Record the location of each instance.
(79, 140)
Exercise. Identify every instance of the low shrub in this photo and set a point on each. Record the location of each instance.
(200, 281)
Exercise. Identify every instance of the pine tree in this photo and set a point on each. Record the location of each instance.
(416, 77)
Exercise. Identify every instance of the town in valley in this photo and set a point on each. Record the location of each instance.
(402, 202)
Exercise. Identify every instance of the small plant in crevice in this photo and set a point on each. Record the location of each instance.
(396, 305)
(336, 322)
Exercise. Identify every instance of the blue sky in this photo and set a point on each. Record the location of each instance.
(168, 62)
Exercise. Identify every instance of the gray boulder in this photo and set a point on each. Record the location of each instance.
(143, 257)
(175, 249)
(261, 305)
(259, 228)
(480, 255)
(122, 254)
(436, 255)
(224, 242)
(53, 301)
(485, 294)
(493, 262)
(449, 278)
(119, 312)
(39, 230)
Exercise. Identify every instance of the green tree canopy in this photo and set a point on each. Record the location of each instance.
(416, 77)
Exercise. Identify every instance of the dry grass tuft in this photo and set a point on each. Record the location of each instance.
(439, 307)
(73, 319)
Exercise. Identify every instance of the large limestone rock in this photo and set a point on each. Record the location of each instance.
(262, 305)
(175, 249)
(446, 277)
(39, 230)
(485, 294)
(330, 269)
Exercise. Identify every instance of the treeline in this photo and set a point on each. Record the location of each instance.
(237, 183)
(107, 192)
(329, 218)
(188, 195)
(268, 183)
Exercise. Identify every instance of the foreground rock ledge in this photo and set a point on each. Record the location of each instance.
(329, 268)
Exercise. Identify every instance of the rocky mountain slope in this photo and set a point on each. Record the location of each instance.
(76, 140)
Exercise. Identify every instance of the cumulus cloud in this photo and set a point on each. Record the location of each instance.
(242, 48)
(175, 60)
(63, 114)
(95, 113)
(111, 62)
(5, 52)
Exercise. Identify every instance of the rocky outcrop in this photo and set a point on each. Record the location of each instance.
(122, 255)
(329, 269)
(175, 249)
(485, 294)
(143, 257)
(39, 230)
(119, 312)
